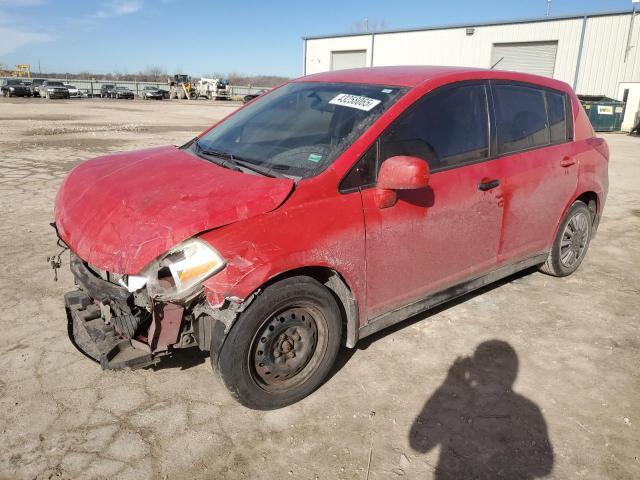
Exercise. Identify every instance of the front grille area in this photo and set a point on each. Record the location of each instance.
(127, 312)
(108, 276)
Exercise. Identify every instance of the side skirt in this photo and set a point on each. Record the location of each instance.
(403, 313)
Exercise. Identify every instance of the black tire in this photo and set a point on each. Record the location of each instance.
(571, 243)
(268, 332)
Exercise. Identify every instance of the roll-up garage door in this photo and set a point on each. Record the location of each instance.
(538, 58)
(348, 59)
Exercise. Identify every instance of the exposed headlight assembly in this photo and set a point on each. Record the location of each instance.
(178, 273)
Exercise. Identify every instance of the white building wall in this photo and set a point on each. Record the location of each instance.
(602, 65)
(633, 104)
(454, 47)
(318, 52)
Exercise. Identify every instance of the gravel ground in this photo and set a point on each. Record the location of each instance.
(398, 406)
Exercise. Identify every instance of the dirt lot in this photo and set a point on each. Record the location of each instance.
(389, 409)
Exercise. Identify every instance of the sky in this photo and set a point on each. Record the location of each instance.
(199, 37)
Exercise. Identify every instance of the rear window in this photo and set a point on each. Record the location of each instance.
(521, 118)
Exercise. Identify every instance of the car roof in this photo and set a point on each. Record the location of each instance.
(414, 75)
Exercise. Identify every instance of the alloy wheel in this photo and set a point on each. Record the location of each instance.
(574, 240)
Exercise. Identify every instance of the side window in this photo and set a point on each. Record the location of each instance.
(557, 121)
(521, 118)
(363, 173)
(446, 128)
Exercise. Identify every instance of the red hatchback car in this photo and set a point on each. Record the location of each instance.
(329, 208)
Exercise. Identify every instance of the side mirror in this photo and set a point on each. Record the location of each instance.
(400, 173)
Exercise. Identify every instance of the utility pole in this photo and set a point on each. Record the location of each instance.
(633, 17)
(366, 24)
(548, 8)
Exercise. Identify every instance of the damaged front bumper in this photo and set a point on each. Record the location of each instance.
(98, 340)
(120, 329)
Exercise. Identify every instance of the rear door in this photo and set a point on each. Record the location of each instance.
(539, 165)
(436, 237)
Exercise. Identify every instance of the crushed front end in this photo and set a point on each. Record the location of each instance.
(123, 327)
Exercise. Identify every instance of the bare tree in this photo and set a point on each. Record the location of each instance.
(154, 73)
(369, 25)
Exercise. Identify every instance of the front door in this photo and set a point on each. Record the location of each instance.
(434, 238)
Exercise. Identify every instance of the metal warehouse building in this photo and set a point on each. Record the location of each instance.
(598, 54)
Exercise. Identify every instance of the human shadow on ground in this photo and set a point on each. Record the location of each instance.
(484, 429)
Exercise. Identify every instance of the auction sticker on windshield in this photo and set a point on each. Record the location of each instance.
(354, 101)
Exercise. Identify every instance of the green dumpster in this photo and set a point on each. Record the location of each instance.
(604, 113)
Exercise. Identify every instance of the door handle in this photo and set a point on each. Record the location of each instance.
(567, 161)
(488, 185)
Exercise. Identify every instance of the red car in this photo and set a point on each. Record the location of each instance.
(329, 208)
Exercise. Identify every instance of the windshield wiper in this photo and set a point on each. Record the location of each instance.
(237, 162)
(268, 172)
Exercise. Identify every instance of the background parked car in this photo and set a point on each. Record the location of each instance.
(14, 88)
(251, 96)
(73, 91)
(106, 89)
(53, 89)
(122, 92)
(36, 83)
(165, 93)
(151, 93)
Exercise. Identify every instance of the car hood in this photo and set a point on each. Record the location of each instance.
(119, 212)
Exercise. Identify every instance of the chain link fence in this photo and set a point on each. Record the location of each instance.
(91, 88)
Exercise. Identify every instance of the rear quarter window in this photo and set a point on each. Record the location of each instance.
(557, 116)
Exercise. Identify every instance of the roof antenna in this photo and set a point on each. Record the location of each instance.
(493, 66)
(548, 8)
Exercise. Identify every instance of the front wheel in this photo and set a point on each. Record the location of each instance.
(283, 346)
(571, 242)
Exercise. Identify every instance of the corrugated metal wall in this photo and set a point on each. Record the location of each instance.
(602, 65)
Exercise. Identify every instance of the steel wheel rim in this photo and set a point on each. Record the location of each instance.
(573, 243)
(287, 348)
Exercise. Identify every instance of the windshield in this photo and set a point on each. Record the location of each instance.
(122, 88)
(299, 129)
(55, 84)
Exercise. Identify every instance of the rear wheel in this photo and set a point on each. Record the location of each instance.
(571, 242)
(283, 346)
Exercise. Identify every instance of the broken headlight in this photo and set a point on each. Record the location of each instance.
(178, 273)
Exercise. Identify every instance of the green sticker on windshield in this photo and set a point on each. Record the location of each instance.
(314, 157)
